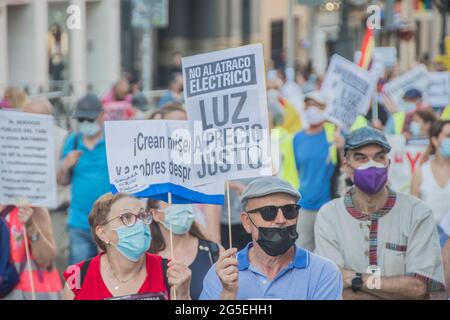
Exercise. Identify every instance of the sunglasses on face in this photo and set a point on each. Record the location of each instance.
(129, 219)
(85, 120)
(269, 213)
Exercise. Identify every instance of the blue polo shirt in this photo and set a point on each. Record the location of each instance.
(307, 277)
(90, 179)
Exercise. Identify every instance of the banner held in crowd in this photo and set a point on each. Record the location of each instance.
(349, 89)
(405, 158)
(437, 93)
(27, 159)
(152, 158)
(416, 78)
(225, 94)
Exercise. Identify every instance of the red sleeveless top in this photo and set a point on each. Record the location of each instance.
(46, 281)
(94, 288)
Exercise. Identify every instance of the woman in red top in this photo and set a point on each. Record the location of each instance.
(119, 224)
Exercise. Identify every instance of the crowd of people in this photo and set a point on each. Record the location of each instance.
(328, 225)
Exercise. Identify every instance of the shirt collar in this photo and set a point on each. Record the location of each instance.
(357, 214)
(301, 259)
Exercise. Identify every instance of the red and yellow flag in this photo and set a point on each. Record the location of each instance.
(367, 48)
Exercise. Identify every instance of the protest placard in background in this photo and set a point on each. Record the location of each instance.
(416, 78)
(27, 159)
(225, 94)
(150, 158)
(383, 57)
(437, 93)
(386, 55)
(405, 156)
(349, 89)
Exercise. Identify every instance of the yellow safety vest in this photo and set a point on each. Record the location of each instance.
(292, 121)
(330, 128)
(288, 169)
(360, 122)
(446, 113)
(399, 122)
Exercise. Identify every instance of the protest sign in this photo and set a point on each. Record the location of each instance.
(416, 78)
(377, 66)
(385, 57)
(437, 93)
(27, 159)
(225, 94)
(349, 89)
(405, 157)
(150, 158)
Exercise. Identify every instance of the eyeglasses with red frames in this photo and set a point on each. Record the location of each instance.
(129, 219)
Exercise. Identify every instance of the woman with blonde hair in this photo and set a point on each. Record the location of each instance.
(123, 269)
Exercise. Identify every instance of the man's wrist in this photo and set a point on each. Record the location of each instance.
(357, 282)
(228, 294)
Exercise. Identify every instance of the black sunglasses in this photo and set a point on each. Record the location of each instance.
(269, 213)
(85, 119)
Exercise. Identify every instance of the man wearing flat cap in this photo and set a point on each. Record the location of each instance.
(271, 266)
(385, 243)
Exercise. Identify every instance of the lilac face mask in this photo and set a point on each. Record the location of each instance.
(370, 177)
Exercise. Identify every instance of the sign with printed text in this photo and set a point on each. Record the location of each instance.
(27, 159)
(349, 89)
(225, 94)
(416, 78)
(437, 93)
(383, 57)
(405, 156)
(150, 158)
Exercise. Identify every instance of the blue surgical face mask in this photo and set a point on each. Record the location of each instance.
(89, 129)
(179, 217)
(445, 148)
(414, 128)
(133, 241)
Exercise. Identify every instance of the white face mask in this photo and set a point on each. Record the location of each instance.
(314, 115)
(371, 164)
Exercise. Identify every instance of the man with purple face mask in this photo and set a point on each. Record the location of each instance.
(384, 242)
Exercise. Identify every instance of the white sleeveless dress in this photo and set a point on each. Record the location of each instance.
(436, 197)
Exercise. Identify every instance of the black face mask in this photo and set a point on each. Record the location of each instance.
(276, 241)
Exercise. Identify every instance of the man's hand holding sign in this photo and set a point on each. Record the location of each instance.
(228, 274)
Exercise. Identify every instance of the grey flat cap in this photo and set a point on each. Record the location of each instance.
(265, 186)
(365, 136)
(88, 107)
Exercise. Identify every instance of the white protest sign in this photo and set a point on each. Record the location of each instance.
(349, 89)
(405, 159)
(27, 159)
(437, 93)
(150, 158)
(225, 94)
(377, 67)
(384, 55)
(416, 78)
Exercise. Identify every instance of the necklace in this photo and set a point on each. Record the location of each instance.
(126, 280)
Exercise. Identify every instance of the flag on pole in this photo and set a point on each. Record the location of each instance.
(367, 49)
